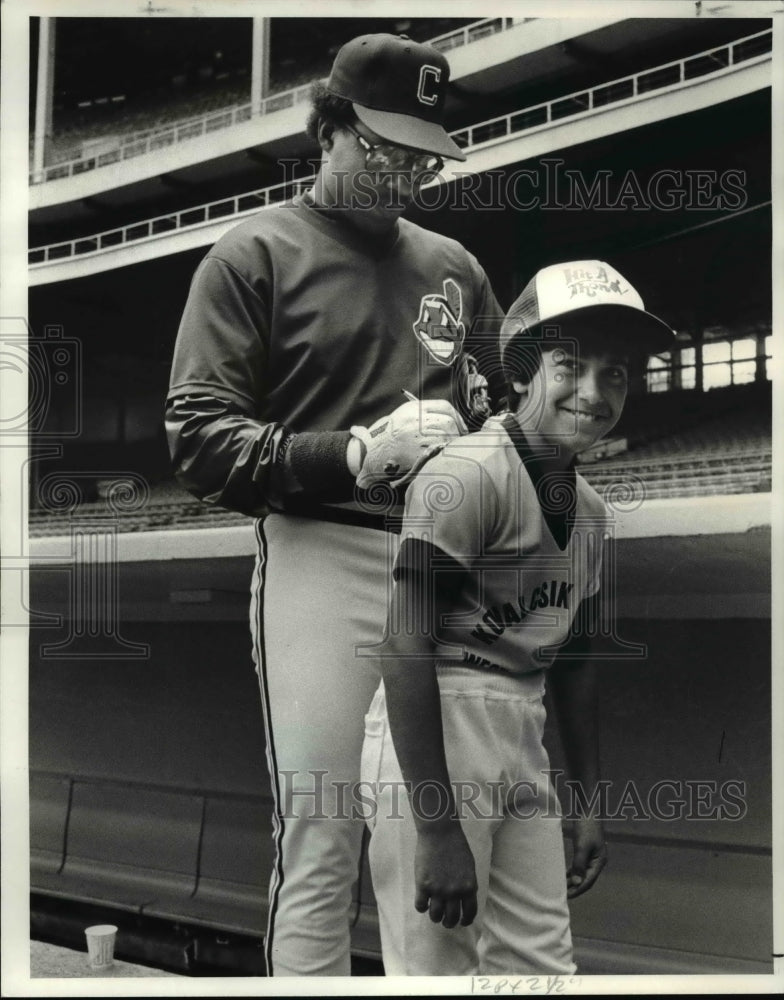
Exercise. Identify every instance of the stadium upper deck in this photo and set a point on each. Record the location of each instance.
(665, 90)
(499, 65)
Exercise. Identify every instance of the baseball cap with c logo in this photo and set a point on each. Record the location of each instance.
(398, 89)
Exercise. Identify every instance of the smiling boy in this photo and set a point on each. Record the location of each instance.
(496, 581)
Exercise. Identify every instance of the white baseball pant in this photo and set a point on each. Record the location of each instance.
(493, 726)
(320, 593)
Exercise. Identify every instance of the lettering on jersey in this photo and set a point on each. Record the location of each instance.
(439, 325)
(581, 281)
(478, 661)
(497, 619)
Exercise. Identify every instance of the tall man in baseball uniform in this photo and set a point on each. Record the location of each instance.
(302, 326)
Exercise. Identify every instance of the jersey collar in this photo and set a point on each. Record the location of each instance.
(556, 492)
(530, 457)
(333, 224)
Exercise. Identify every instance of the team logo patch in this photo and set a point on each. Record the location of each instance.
(439, 325)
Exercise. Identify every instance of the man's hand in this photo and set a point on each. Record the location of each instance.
(398, 445)
(589, 856)
(445, 876)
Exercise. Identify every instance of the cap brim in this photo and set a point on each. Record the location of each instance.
(644, 330)
(406, 130)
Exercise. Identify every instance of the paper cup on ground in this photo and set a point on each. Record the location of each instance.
(100, 945)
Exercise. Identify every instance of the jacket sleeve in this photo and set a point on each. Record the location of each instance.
(222, 449)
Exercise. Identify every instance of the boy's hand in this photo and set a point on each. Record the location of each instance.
(588, 858)
(445, 876)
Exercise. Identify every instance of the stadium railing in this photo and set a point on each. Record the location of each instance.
(77, 139)
(676, 73)
(671, 76)
(142, 142)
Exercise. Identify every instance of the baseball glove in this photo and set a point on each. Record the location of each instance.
(398, 445)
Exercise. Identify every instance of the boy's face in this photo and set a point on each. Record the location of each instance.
(576, 396)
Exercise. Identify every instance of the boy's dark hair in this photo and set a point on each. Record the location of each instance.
(523, 353)
(326, 107)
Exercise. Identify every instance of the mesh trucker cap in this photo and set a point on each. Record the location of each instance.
(568, 294)
(398, 89)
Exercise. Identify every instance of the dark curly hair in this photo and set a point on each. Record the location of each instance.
(523, 355)
(522, 361)
(326, 107)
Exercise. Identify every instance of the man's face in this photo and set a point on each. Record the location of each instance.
(375, 197)
(576, 397)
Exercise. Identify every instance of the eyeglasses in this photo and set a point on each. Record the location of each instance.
(383, 156)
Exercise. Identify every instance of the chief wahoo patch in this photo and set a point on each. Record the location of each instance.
(439, 326)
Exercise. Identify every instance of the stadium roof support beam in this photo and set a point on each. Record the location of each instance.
(44, 92)
(260, 63)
